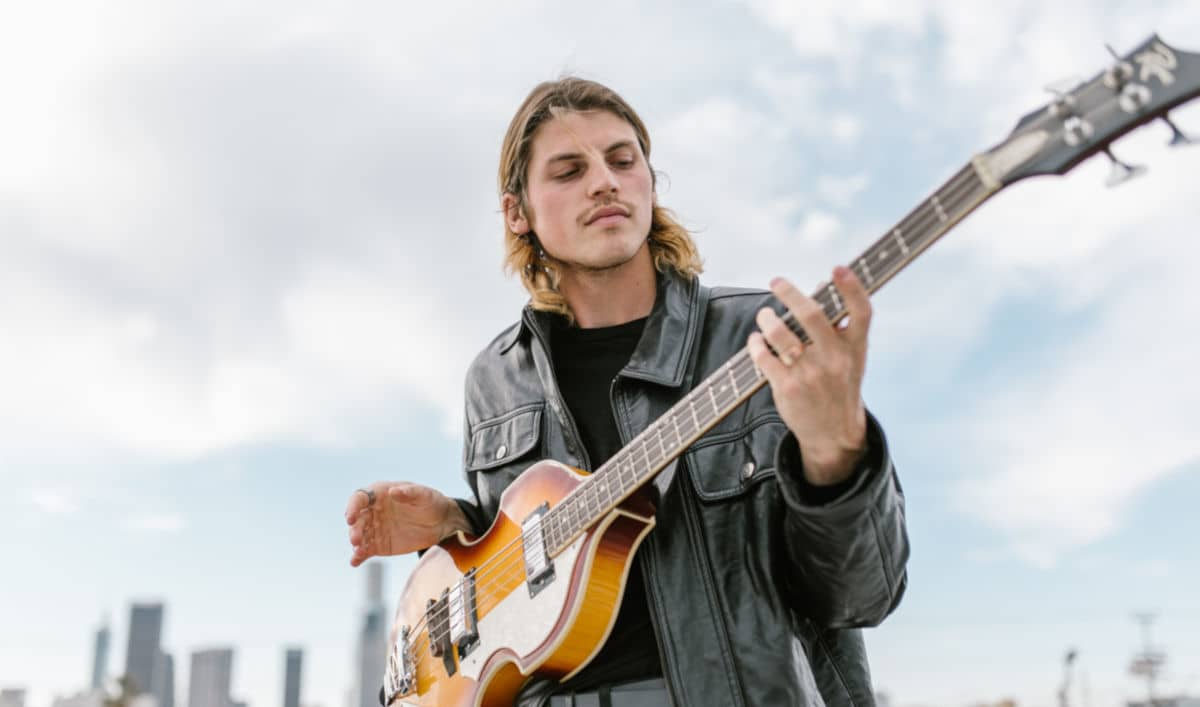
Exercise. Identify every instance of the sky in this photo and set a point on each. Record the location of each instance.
(247, 252)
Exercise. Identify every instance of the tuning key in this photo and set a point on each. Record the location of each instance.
(1121, 171)
(1120, 72)
(1178, 137)
(1133, 97)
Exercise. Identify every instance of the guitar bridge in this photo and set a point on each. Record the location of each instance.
(400, 676)
(539, 571)
(437, 619)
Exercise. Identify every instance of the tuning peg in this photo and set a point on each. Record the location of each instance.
(1121, 171)
(1178, 137)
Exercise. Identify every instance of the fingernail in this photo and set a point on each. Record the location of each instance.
(775, 282)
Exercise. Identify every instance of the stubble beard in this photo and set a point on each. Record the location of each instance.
(592, 269)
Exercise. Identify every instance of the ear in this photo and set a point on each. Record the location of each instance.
(513, 216)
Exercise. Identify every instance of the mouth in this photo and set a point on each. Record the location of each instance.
(606, 215)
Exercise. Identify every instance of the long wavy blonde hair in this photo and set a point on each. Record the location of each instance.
(671, 246)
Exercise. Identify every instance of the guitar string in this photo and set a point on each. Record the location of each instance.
(951, 193)
(955, 193)
(490, 589)
(746, 374)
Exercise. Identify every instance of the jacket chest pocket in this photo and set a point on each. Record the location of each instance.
(727, 464)
(500, 449)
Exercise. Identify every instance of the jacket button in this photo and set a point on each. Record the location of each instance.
(748, 470)
(501, 451)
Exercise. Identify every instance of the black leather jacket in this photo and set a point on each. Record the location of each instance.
(756, 587)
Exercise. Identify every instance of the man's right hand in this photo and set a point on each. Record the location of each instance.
(403, 518)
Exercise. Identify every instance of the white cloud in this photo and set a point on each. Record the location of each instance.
(1076, 441)
(845, 128)
(157, 523)
(819, 226)
(53, 501)
(840, 191)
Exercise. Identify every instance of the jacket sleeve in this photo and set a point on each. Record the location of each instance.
(847, 544)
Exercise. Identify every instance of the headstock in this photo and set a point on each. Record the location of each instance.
(1139, 87)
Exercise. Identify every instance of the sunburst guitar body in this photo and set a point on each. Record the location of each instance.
(480, 617)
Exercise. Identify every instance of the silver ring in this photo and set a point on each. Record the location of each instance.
(370, 495)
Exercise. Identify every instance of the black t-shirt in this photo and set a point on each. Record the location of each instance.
(586, 361)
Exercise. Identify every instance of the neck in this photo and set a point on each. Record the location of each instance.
(613, 295)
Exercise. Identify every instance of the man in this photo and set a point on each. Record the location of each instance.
(778, 534)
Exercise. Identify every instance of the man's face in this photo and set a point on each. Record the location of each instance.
(590, 191)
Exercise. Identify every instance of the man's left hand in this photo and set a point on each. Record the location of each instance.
(818, 387)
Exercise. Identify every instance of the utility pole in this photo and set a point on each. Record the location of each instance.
(1149, 662)
(1064, 691)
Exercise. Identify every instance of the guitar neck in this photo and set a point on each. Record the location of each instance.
(737, 379)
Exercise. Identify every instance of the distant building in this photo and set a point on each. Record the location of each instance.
(12, 697)
(164, 679)
(372, 641)
(141, 653)
(100, 656)
(211, 678)
(293, 663)
(1177, 701)
(88, 698)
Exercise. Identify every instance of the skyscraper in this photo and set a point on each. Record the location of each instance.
(12, 697)
(100, 655)
(164, 680)
(372, 640)
(211, 677)
(293, 662)
(141, 654)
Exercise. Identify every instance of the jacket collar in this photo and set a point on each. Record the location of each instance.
(672, 329)
(665, 349)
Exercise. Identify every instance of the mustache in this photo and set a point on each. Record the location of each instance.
(609, 208)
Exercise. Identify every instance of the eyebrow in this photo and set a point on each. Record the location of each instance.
(567, 156)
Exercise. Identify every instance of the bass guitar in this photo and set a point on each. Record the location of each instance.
(538, 593)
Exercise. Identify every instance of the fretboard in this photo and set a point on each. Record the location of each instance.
(737, 379)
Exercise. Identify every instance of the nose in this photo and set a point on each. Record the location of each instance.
(604, 180)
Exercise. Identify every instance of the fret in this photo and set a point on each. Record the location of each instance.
(937, 205)
(732, 379)
(606, 489)
(691, 401)
(713, 397)
(837, 300)
(627, 468)
(663, 442)
(675, 421)
(866, 272)
(899, 237)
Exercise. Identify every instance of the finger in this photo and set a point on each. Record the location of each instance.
(357, 502)
(358, 557)
(858, 304)
(764, 360)
(810, 314)
(410, 494)
(777, 334)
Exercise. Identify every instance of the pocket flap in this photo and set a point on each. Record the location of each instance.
(501, 440)
(727, 464)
